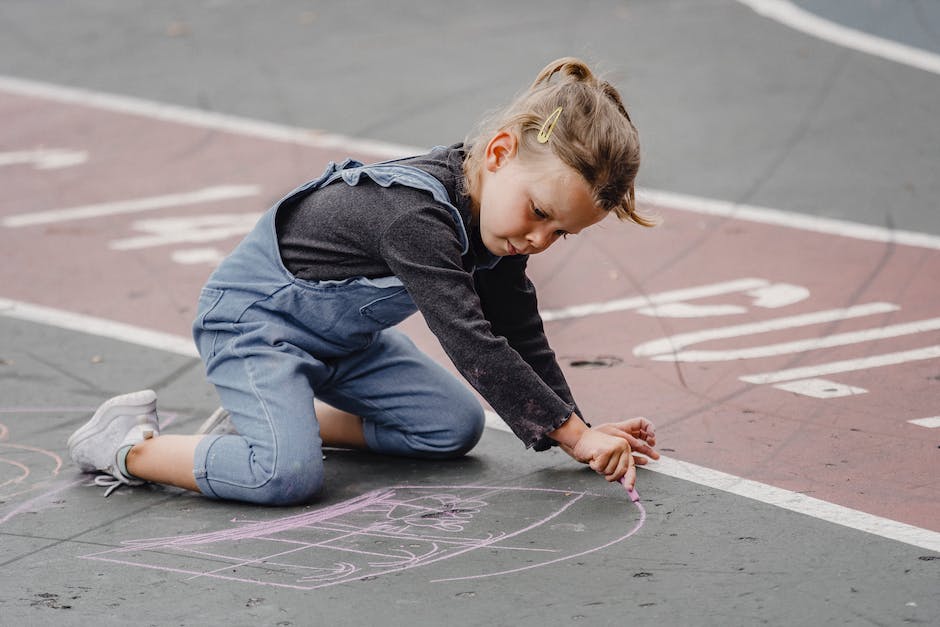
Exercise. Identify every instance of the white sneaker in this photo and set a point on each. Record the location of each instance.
(218, 423)
(121, 421)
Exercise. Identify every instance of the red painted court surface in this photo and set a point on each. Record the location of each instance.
(790, 357)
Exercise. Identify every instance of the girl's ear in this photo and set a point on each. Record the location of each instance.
(501, 148)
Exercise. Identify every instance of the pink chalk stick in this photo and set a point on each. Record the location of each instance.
(634, 495)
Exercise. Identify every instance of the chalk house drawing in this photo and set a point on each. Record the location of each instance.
(395, 529)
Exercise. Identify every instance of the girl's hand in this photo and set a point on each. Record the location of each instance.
(608, 455)
(610, 449)
(639, 433)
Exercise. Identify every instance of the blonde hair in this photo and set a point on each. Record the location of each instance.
(593, 134)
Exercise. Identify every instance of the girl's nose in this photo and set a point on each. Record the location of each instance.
(540, 239)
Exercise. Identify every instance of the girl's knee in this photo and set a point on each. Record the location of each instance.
(292, 483)
(464, 430)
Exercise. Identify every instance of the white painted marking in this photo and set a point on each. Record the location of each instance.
(206, 195)
(191, 256)
(778, 295)
(776, 217)
(317, 139)
(202, 119)
(667, 348)
(802, 346)
(786, 499)
(689, 310)
(768, 296)
(820, 388)
(849, 365)
(45, 158)
(493, 421)
(800, 503)
(189, 229)
(930, 423)
(799, 19)
(623, 304)
(98, 326)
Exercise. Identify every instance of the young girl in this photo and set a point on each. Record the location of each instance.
(295, 331)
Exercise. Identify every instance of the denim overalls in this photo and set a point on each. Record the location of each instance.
(271, 343)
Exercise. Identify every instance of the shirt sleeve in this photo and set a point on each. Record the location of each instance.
(509, 302)
(421, 247)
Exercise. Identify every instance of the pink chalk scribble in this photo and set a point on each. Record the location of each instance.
(30, 475)
(391, 530)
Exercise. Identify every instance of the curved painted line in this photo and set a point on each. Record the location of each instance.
(785, 12)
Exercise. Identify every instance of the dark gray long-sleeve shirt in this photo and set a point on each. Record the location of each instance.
(487, 321)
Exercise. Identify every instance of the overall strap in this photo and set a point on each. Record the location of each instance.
(388, 174)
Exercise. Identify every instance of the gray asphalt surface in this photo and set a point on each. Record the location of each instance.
(730, 106)
(703, 557)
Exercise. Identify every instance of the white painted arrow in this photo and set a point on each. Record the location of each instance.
(45, 158)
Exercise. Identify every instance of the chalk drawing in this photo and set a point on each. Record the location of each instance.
(30, 475)
(390, 530)
(24, 470)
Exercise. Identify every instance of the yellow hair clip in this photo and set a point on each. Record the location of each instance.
(548, 126)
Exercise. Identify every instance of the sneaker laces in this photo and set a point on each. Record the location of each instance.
(112, 482)
(111, 477)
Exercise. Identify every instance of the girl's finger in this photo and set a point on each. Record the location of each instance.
(639, 446)
(612, 463)
(629, 477)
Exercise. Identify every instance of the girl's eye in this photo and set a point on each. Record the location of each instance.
(562, 234)
(539, 212)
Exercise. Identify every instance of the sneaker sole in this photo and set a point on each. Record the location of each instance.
(143, 402)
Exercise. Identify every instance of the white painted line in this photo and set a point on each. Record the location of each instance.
(666, 348)
(849, 365)
(772, 495)
(206, 195)
(190, 256)
(317, 139)
(776, 217)
(45, 158)
(789, 14)
(800, 503)
(811, 344)
(930, 423)
(820, 388)
(201, 119)
(623, 304)
(187, 229)
(98, 326)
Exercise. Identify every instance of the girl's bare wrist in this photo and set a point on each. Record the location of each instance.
(570, 432)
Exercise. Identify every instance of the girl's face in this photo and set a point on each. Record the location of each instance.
(525, 207)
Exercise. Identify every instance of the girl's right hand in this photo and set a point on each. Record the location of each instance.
(606, 454)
